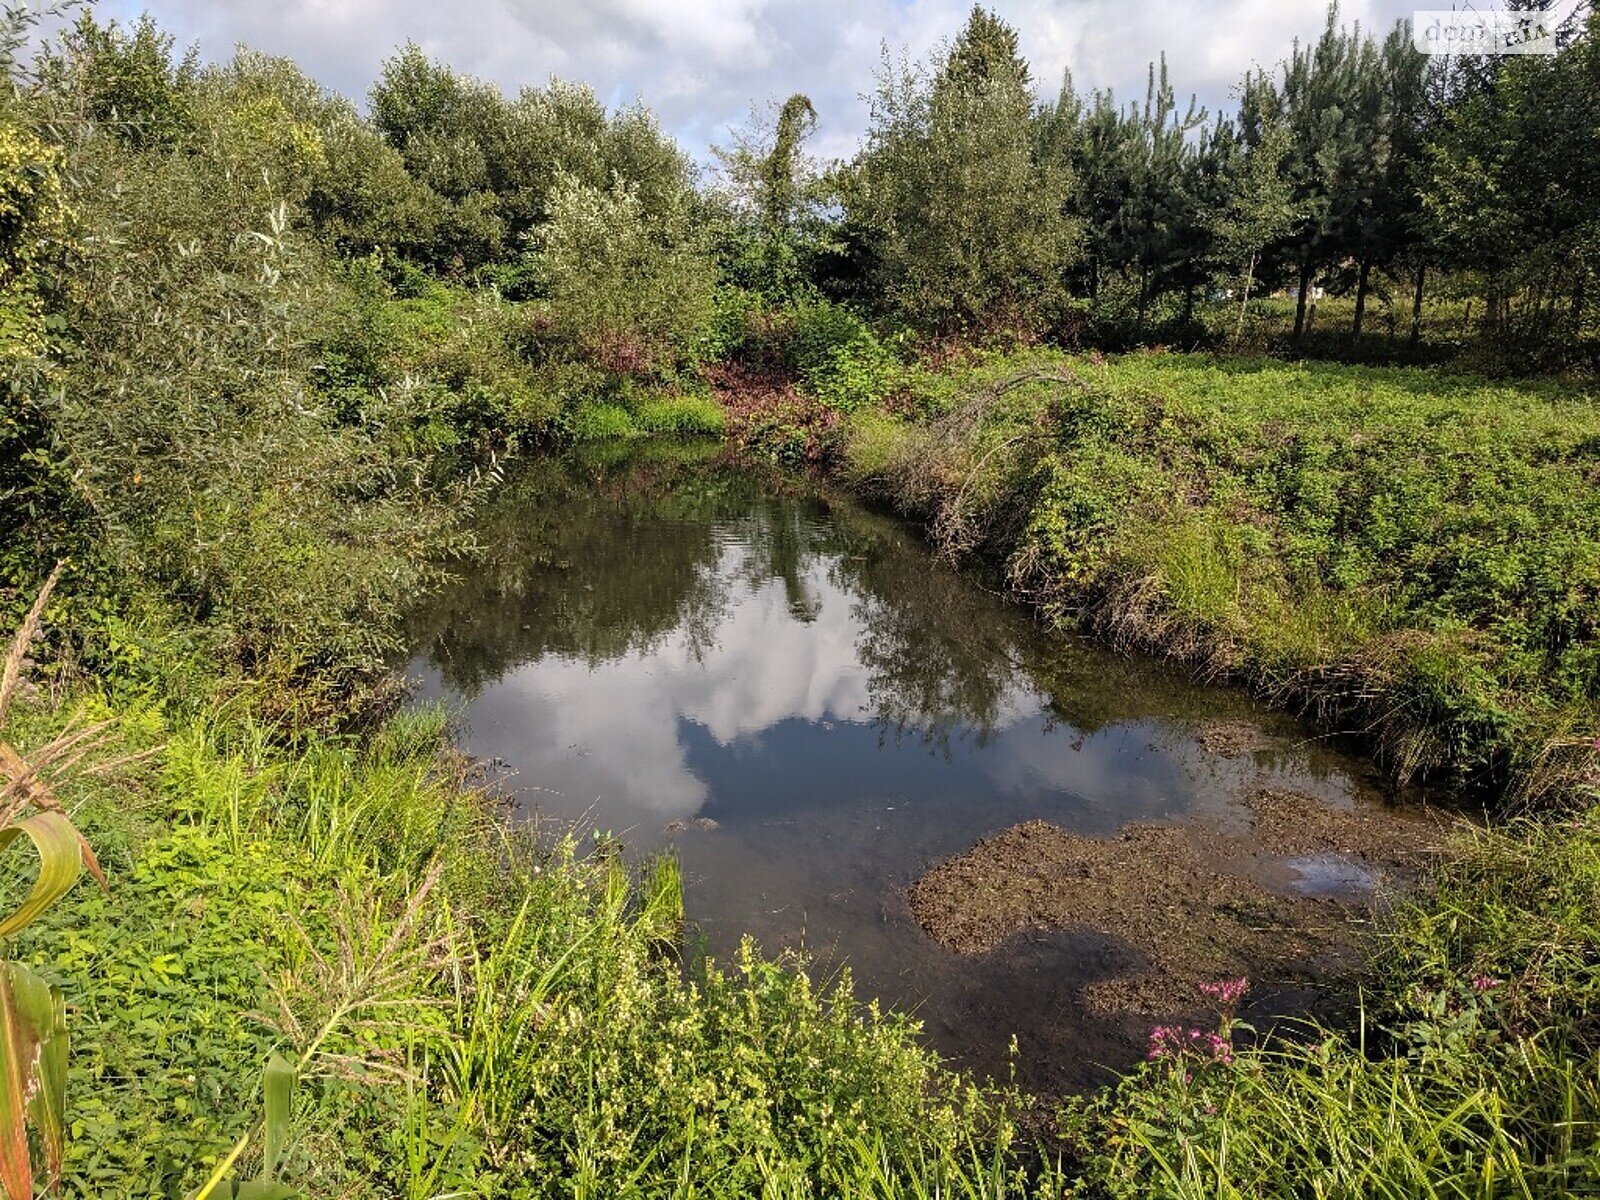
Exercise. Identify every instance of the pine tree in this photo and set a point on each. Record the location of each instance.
(1260, 208)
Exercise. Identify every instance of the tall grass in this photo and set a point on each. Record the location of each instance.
(1327, 1120)
(469, 1009)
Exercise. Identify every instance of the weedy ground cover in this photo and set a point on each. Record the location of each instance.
(1410, 554)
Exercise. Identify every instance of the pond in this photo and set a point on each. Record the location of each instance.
(791, 692)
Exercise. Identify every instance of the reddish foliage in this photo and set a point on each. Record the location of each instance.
(768, 414)
(621, 353)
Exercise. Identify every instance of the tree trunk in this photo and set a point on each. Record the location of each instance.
(1244, 301)
(1416, 305)
(1311, 312)
(1361, 298)
(1578, 298)
(1300, 304)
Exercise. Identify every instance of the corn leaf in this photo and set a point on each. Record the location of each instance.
(277, 1086)
(43, 1005)
(19, 1043)
(60, 858)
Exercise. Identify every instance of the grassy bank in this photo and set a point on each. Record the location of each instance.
(1474, 1071)
(473, 1011)
(1408, 555)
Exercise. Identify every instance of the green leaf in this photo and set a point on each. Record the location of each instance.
(19, 1044)
(277, 1086)
(33, 1042)
(60, 858)
(261, 1189)
(44, 1005)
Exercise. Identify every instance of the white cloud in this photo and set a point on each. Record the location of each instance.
(701, 64)
(568, 715)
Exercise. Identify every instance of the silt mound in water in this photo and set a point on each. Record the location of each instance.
(1195, 903)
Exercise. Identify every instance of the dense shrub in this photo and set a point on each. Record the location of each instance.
(183, 400)
(34, 492)
(627, 291)
(838, 357)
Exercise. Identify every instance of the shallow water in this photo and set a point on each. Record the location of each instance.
(795, 694)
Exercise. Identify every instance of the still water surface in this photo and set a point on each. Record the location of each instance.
(793, 693)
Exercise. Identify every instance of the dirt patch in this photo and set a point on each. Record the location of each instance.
(1287, 823)
(1231, 739)
(1194, 903)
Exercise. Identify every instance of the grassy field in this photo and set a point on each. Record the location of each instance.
(1408, 554)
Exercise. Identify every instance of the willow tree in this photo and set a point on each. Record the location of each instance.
(962, 213)
(496, 162)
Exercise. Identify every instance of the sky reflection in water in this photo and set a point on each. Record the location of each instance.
(661, 640)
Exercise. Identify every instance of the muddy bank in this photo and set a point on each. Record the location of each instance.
(1280, 897)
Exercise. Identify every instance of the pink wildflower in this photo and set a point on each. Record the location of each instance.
(1226, 992)
(1219, 1048)
(1165, 1041)
(1172, 1041)
(1482, 983)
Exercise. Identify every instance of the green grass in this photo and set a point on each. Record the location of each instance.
(478, 1012)
(680, 416)
(651, 415)
(1411, 554)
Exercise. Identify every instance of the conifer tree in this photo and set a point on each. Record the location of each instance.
(962, 213)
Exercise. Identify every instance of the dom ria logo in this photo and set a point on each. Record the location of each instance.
(1496, 31)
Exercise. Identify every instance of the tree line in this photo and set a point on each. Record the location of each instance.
(1356, 167)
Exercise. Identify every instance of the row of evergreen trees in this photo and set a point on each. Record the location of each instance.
(1357, 159)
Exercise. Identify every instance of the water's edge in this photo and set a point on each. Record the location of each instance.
(787, 689)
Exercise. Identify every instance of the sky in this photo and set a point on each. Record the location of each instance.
(702, 64)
